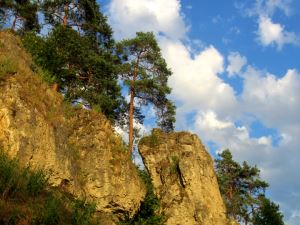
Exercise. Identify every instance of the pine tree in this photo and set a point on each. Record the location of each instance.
(82, 15)
(80, 70)
(267, 213)
(145, 73)
(22, 11)
(240, 186)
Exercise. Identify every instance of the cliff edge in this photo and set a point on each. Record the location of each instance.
(184, 179)
(77, 148)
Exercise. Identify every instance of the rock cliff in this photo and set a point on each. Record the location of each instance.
(184, 179)
(81, 153)
(77, 148)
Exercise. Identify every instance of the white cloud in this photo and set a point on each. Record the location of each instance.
(236, 63)
(270, 33)
(209, 120)
(128, 17)
(274, 100)
(269, 7)
(195, 82)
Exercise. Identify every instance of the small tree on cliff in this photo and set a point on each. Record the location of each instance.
(267, 213)
(240, 186)
(145, 73)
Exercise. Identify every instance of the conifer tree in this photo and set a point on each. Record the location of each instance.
(240, 186)
(145, 73)
(82, 15)
(267, 213)
(22, 11)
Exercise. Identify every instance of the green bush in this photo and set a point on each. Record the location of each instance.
(147, 214)
(25, 189)
(50, 214)
(15, 180)
(82, 212)
(36, 182)
(174, 165)
(9, 176)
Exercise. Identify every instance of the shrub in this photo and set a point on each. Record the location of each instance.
(15, 180)
(36, 182)
(82, 212)
(50, 214)
(7, 67)
(9, 175)
(147, 214)
(174, 165)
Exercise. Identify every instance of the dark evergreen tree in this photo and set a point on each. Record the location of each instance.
(80, 70)
(145, 73)
(240, 187)
(22, 12)
(268, 213)
(82, 15)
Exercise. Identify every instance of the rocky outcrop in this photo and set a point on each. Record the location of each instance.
(184, 179)
(76, 147)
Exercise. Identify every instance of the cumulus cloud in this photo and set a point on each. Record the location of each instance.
(274, 100)
(236, 63)
(195, 81)
(269, 7)
(160, 16)
(270, 33)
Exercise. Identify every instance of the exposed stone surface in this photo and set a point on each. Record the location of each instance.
(78, 148)
(184, 179)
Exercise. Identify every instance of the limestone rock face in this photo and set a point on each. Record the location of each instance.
(183, 178)
(76, 147)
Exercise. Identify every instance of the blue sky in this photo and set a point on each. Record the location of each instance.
(235, 79)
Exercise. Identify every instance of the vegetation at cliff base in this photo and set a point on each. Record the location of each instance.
(148, 213)
(243, 192)
(27, 198)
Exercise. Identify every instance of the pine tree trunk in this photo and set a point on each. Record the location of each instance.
(14, 23)
(65, 20)
(131, 105)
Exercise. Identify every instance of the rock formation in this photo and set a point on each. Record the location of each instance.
(76, 147)
(184, 178)
(81, 153)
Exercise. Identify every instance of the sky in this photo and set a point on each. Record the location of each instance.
(236, 78)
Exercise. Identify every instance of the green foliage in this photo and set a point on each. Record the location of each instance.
(50, 214)
(17, 181)
(24, 189)
(147, 214)
(267, 213)
(174, 164)
(9, 176)
(242, 190)
(36, 182)
(22, 13)
(145, 73)
(7, 67)
(80, 69)
(82, 212)
(153, 140)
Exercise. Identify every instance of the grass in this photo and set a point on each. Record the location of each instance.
(174, 164)
(7, 67)
(26, 198)
(151, 140)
